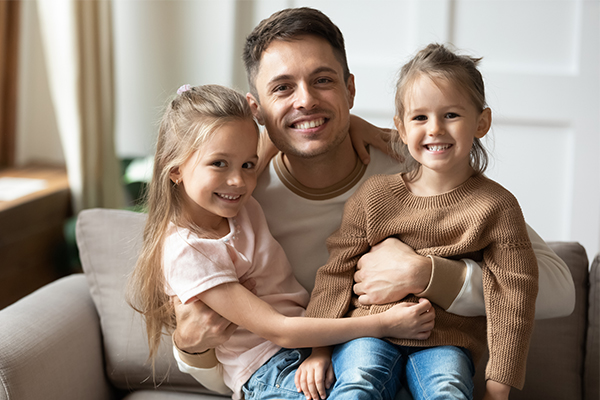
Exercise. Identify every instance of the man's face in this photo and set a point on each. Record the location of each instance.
(304, 101)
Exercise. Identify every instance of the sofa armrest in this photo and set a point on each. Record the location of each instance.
(50, 345)
(592, 357)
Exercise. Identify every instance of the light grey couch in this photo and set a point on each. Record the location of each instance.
(78, 339)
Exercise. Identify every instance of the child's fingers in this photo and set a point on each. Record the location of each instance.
(329, 377)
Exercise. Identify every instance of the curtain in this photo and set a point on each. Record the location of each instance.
(77, 40)
(9, 44)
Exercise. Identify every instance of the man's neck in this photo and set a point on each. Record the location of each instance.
(325, 170)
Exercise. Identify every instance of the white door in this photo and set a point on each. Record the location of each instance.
(541, 63)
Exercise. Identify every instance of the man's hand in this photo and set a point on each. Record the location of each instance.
(199, 328)
(389, 272)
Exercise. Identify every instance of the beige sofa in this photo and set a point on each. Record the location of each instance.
(78, 339)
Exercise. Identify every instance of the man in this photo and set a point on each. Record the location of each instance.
(302, 91)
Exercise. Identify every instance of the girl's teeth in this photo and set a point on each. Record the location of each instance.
(227, 197)
(438, 147)
(311, 124)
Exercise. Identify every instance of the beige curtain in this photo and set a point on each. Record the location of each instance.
(77, 40)
(9, 44)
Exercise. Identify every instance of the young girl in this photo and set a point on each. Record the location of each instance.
(443, 207)
(205, 234)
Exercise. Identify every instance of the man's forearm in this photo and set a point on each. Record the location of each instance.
(556, 295)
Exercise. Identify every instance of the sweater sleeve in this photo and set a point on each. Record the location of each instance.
(510, 284)
(334, 282)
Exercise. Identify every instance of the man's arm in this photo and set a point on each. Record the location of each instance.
(392, 270)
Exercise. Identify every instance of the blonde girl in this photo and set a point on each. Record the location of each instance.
(445, 207)
(205, 234)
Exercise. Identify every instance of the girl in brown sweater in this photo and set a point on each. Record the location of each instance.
(444, 206)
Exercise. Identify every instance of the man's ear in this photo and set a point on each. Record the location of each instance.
(351, 88)
(255, 107)
(175, 175)
(484, 123)
(400, 128)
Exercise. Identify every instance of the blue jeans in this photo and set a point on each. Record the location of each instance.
(369, 368)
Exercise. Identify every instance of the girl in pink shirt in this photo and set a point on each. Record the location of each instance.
(205, 234)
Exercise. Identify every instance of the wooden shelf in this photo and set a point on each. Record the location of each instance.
(31, 233)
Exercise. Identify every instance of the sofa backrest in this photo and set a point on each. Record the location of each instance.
(109, 242)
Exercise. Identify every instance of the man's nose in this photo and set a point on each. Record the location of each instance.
(305, 97)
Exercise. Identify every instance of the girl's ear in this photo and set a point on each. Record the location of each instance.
(175, 175)
(255, 107)
(484, 123)
(400, 127)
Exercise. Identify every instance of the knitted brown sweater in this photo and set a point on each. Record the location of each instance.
(479, 220)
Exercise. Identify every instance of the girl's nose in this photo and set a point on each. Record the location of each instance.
(435, 128)
(236, 179)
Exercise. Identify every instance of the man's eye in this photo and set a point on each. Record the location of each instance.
(323, 80)
(281, 88)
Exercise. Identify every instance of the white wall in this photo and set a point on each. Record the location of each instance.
(541, 65)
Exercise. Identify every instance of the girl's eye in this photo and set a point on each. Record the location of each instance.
(420, 118)
(219, 164)
(249, 165)
(451, 115)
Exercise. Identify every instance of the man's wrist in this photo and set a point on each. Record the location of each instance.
(447, 279)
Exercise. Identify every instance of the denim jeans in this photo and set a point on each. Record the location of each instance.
(369, 368)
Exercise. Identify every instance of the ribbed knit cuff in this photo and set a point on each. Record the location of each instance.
(204, 360)
(447, 279)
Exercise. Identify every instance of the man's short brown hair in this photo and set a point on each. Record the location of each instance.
(290, 24)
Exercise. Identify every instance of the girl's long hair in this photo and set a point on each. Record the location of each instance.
(189, 120)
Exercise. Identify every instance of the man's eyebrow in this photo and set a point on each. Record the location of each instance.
(284, 77)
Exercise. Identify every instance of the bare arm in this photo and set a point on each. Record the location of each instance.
(364, 134)
(236, 304)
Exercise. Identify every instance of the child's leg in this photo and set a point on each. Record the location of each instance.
(275, 378)
(366, 368)
(444, 372)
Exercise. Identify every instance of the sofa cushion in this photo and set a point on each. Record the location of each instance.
(556, 354)
(109, 242)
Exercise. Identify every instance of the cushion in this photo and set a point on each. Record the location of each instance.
(109, 242)
(556, 358)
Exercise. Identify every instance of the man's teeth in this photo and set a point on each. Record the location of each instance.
(228, 197)
(438, 147)
(310, 124)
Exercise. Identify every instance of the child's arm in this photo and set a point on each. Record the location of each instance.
(241, 307)
(362, 134)
(496, 391)
(315, 375)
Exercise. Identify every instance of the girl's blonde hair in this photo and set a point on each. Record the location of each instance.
(438, 62)
(189, 120)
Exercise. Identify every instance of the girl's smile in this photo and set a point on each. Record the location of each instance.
(219, 178)
(439, 125)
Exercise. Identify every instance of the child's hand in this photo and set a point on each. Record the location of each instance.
(362, 134)
(315, 375)
(409, 320)
(496, 391)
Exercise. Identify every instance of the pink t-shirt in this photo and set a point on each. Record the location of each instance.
(193, 265)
